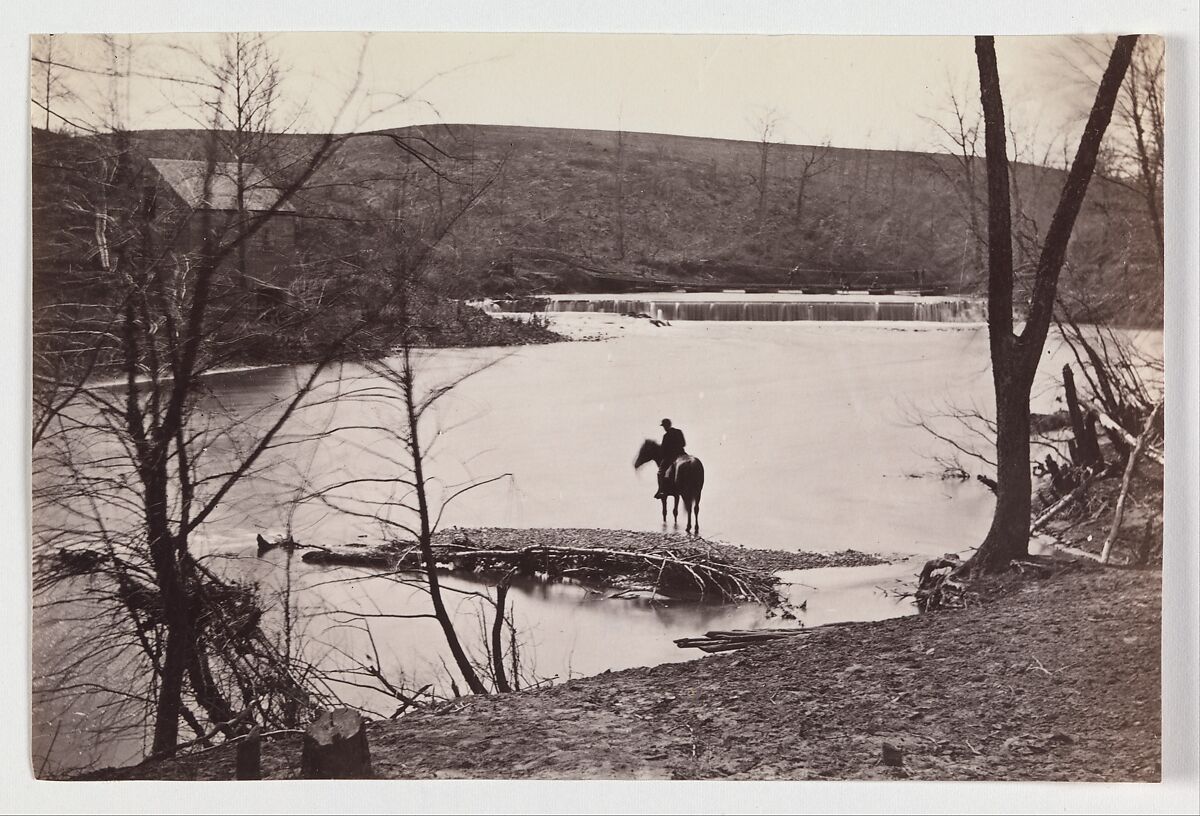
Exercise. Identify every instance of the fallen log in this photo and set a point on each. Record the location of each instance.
(687, 643)
(791, 630)
(348, 558)
(727, 640)
(728, 646)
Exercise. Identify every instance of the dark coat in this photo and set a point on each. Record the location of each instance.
(672, 444)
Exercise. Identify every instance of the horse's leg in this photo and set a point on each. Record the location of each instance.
(675, 512)
(687, 505)
(664, 506)
(697, 504)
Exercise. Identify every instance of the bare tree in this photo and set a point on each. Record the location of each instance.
(1141, 110)
(765, 126)
(1135, 143)
(813, 162)
(48, 83)
(244, 115)
(619, 177)
(397, 462)
(1014, 356)
(961, 141)
(131, 473)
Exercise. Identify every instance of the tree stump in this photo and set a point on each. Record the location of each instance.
(249, 755)
(335, 747)
(1086, 450)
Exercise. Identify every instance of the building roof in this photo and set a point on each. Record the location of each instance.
(188, 180)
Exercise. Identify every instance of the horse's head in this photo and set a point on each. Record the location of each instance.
(649, 452)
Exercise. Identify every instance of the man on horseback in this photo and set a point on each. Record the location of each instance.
(672, 448)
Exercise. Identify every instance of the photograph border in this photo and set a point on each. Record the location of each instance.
(1177, 792)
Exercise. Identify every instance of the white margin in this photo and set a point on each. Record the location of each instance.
(1177, 20)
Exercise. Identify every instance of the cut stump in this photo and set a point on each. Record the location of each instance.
(249, 755)
(335, 747)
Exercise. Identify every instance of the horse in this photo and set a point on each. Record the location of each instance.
(683, 480)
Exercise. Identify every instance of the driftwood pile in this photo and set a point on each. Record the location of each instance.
(1070, 483)
(675, 572)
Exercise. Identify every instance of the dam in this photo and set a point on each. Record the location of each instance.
(774, 307)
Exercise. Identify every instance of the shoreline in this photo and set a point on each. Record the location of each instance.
(242, 368)
(998, 690)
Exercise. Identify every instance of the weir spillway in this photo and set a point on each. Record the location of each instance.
(777, 307)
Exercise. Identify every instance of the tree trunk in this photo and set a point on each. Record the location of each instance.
(502, 684)
(1008, 537)
(761, 211)
(426, 538)
(800, 199)
(175, 615)
(169, 704)
(1015, 357)
(620, 226)
(978, 242)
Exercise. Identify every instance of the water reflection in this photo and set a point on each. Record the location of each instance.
(564, 630)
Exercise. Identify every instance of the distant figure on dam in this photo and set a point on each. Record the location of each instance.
(673, 445)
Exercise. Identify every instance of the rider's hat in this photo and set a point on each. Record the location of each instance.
(665, 423)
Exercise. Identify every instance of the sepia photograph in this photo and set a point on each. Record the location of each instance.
(598, 406)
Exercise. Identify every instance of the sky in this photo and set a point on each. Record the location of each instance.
(875, 92)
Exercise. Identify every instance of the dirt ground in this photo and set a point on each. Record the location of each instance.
(1050, 678)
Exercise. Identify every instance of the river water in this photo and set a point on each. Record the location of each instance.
(806, 430)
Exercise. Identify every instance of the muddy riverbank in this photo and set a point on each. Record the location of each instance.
(1051, 678)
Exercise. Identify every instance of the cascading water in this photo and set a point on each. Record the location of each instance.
(780, 307)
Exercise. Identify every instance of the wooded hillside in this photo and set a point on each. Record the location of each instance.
(560, 209)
